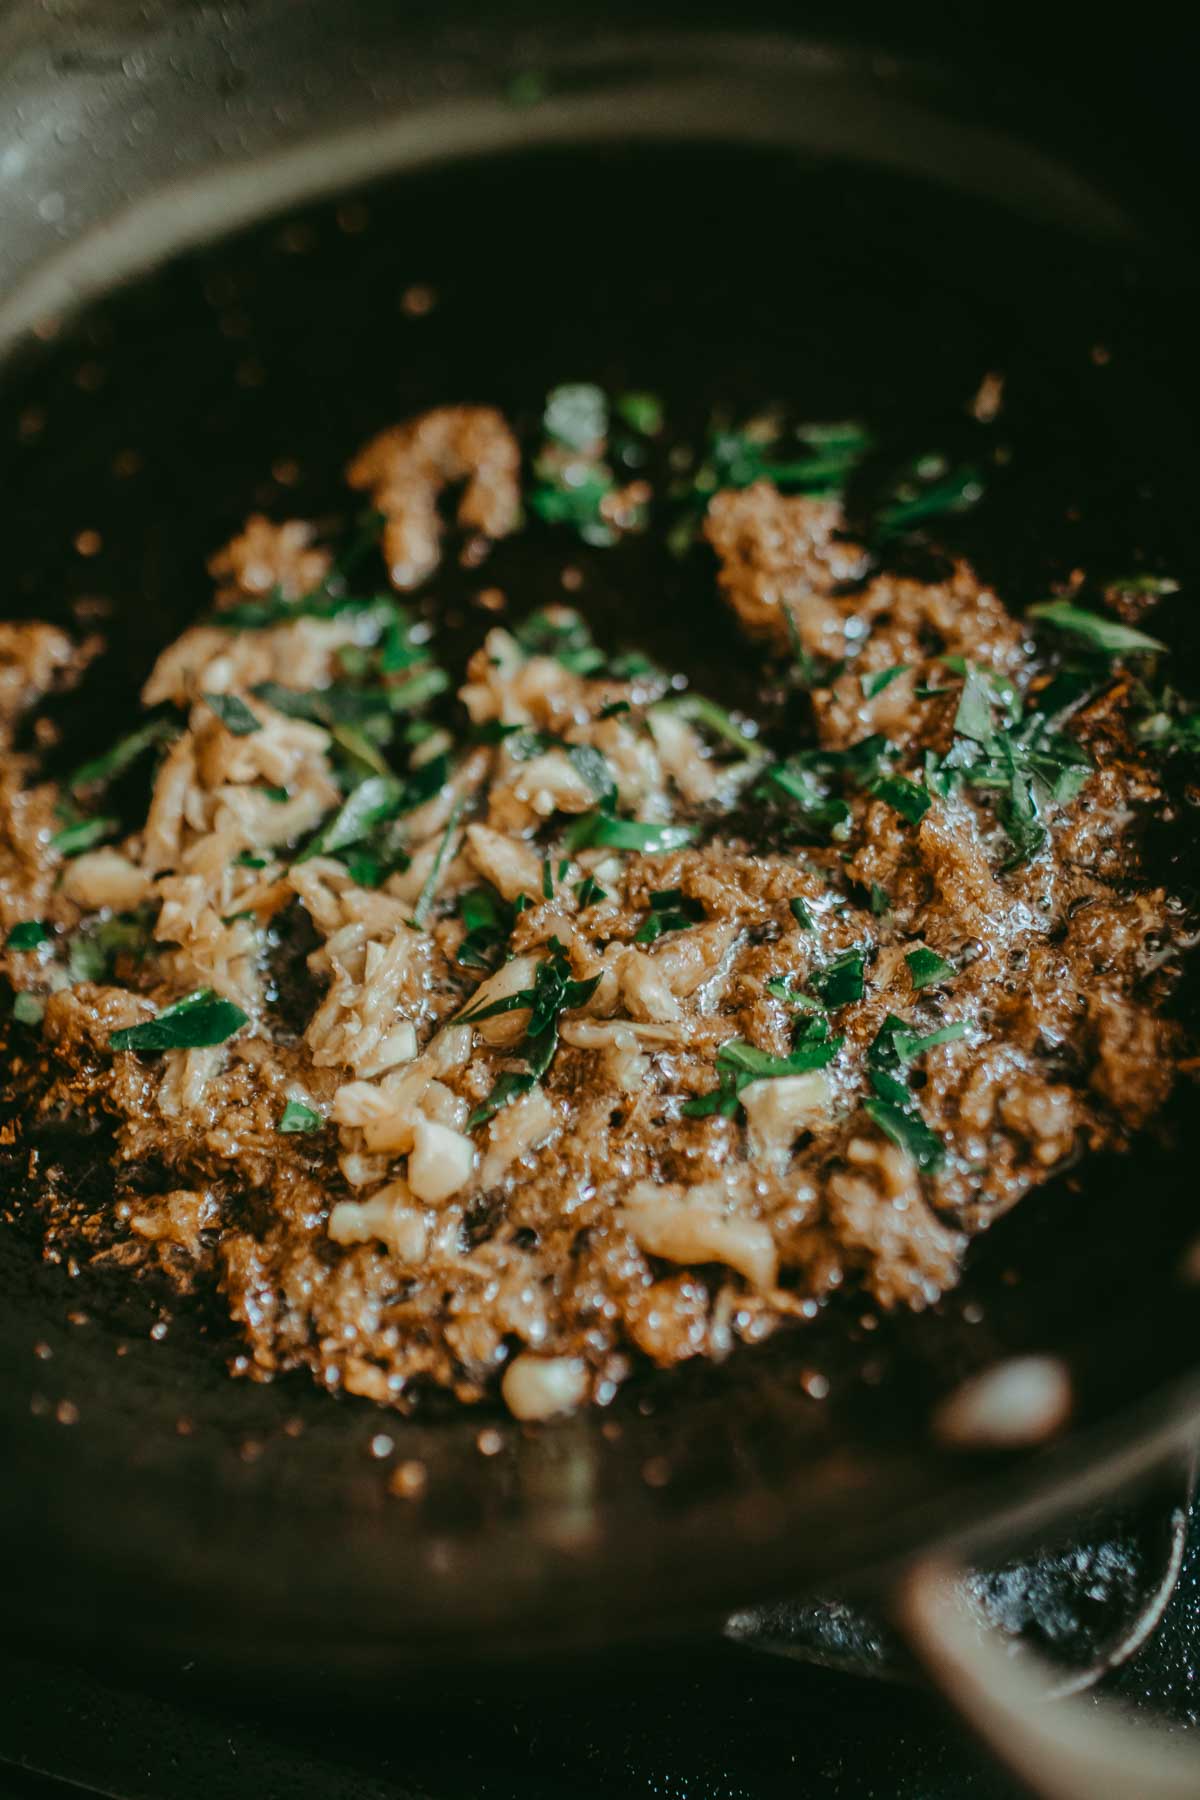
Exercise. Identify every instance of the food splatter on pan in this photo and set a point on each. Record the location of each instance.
(507, 1032)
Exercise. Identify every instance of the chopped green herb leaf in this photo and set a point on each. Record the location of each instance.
(1095, 629)
(483, 911)
(739, 1063)
(974, 716)
(572, 479)
(875, 684)
(579, 504)
(193, 1023)
(700, 711)
(276, 609)
(588, 762)
(1031, 766)
(359, 747)
(928, 491)
(412, 733)
(27, 935)
(562, 633)
(809, 671)
(841, 982)
(601, 828)
(641, 412)
(803, 780)
(480, 909)
(365, 868)
(1171, 723)
(588, 891)
(631, 665)
(372, 705)
(369, 804)
(909, 1130)
(781, 990)
(93, 950)
(521, 1001)
(488, 920)
(88, 959)
(525, 744)
(1020, 816)
(799, 911)
(909, 1046)
(861, 763)
(908, 798)
(762, 451)
(295, 703)
(492, 731)
(430, 885)
(511, 1085)
(425, 781)
(758, 453)
(233, 713)
(880, 904)
(927, 968)
(547, 880)
(894, 1107)
(401, 645)
(670, 910)
(722, 1099)
(27, 1009)
(759, 1065)
(824, 814)
(553, 993)
(83, 834)
(123, 754)
(849, 435)
(338, 704)
(355, 659)
(298, 1117)
(418, 690)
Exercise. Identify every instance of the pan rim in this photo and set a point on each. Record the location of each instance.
(1086, 1462)
(705, 86)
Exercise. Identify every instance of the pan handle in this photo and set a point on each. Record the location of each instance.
(1061, 1749)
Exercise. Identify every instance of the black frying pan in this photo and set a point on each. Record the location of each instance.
(719, 220)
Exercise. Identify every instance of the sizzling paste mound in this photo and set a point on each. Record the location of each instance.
(591, 1028)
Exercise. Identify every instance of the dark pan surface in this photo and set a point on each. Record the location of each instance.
(153, 1501)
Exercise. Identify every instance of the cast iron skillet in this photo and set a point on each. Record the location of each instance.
(749, 236)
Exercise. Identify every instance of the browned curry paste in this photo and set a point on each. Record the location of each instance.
(622, 1035)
